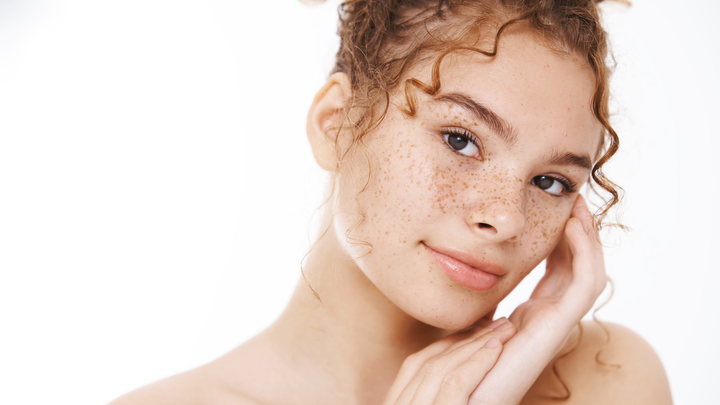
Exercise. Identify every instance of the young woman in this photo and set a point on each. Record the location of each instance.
(458, 135)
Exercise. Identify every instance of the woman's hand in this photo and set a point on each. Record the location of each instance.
(574, 278)
(468, 368)
(449, 370)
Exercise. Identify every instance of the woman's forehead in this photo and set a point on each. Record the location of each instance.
(532, 88)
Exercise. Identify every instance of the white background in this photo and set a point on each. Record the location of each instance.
(156, 186)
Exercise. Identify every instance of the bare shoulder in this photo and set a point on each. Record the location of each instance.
(610, 364)
(195, 387)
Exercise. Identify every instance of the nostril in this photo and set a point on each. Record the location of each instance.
(483, 225)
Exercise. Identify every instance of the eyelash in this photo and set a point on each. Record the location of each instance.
(467, 134)
(568, 185)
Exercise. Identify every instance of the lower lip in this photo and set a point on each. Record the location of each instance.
(463, 274)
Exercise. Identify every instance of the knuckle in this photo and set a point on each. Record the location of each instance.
(511, 327)
(436, 366)
(508, 329)
(412, 360)
(481, 358)
(418, 359)
(597, 284)
(454, 381)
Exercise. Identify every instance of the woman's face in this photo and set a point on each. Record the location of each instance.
(499, 204)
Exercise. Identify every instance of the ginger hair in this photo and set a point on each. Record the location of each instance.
(380, 40)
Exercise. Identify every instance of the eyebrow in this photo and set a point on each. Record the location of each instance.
(506, 132)
(569, 159)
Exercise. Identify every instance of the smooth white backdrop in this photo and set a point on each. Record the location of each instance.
(157, 189)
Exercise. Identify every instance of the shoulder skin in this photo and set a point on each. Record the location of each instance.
(627, 371)
(195, 387)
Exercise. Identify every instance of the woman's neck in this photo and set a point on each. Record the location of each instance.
(352, 335)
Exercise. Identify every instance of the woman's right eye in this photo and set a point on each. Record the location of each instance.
(462, 143)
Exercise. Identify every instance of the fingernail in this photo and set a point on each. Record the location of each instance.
(497, 323)
(492, 343)
(504, 326)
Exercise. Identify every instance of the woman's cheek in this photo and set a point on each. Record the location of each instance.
(545, 226)
(395, 195)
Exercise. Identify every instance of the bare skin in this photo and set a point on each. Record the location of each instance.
(393, 327)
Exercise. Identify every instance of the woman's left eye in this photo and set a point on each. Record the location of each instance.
(461, 143)
(550, 185)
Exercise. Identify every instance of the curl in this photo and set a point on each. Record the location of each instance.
(382, 40)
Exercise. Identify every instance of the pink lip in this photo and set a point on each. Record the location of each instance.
(466, 269)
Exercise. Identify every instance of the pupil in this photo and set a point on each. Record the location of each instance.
(544, 182)
(457, 141)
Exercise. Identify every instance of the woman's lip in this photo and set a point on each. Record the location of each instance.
(456, 264)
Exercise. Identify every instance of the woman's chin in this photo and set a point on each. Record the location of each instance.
(451, 316)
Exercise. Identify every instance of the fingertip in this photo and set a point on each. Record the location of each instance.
(581, 237)
(575, 234)
(573, 224)
(493, 343)
(582, 203)
(581, 206)
(497, 322)
(586, 220)
(505, 325)
(583, 215)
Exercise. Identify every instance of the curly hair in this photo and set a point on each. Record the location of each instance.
(380, 40)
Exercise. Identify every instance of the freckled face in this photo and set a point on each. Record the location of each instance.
(505, 202)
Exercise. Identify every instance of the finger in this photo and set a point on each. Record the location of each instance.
(484, 321)
(426, 384)
(410, 375)
(498, 324)
(560, 257)
(558, 269)
(581, 211)
(589, 277)
(544, 331)
(558, 272)
(460, 383)
(413, 363)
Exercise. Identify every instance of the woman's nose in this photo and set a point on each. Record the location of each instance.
(500, 220)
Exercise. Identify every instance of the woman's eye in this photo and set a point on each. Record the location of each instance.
(462, 144)
(549, 184)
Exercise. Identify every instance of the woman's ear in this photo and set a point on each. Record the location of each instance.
(324, 119)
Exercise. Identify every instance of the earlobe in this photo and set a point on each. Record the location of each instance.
(325, 117)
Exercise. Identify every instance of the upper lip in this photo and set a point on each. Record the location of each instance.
(469, 259)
